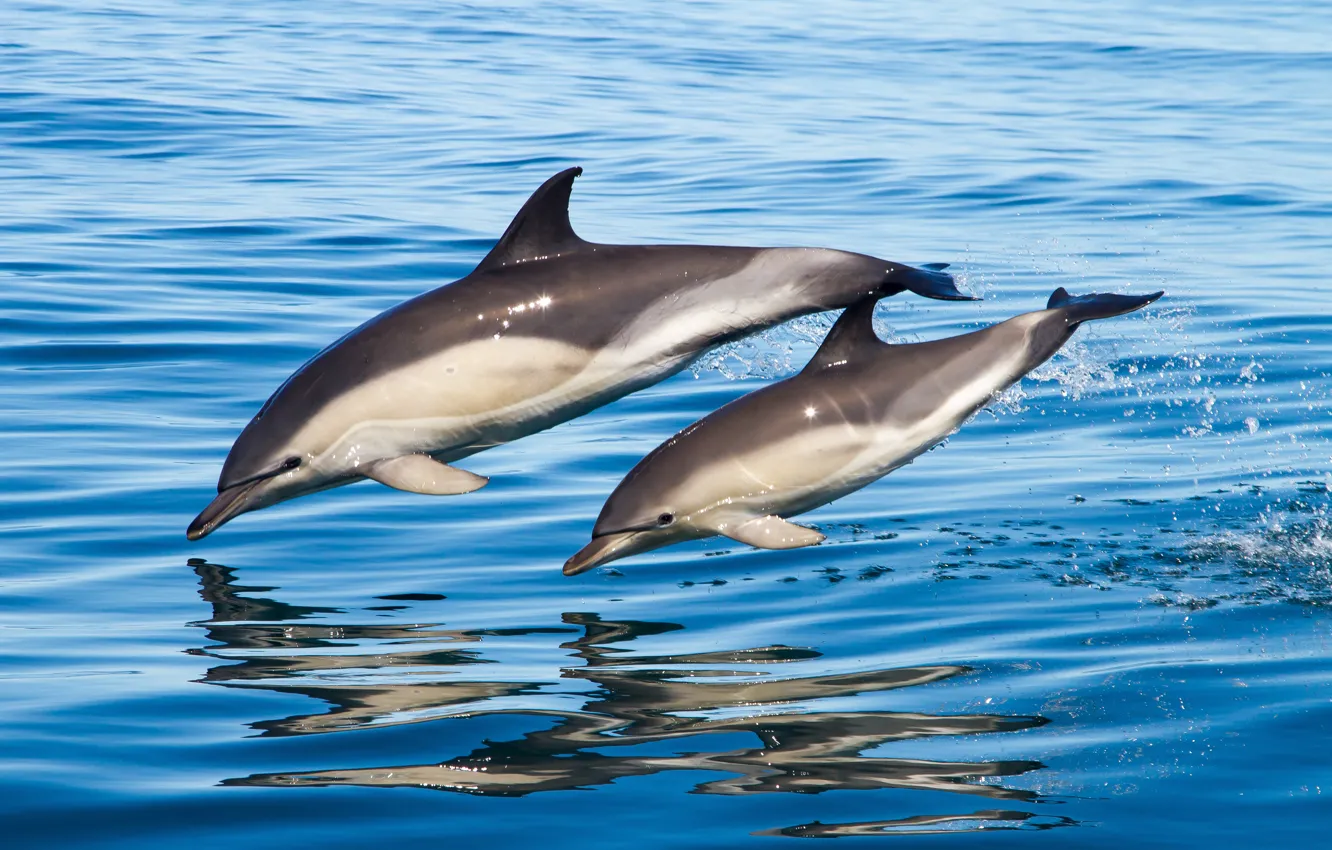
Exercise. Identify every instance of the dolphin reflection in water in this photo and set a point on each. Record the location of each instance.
(989, 820)
(395, 675)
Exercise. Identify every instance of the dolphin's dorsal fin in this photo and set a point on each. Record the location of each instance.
(850, 337)
(541, 228)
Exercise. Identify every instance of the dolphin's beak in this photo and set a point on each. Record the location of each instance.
(228, 504)
(602, 550)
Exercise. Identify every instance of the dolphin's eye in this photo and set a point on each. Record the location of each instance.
(291, 463)
(665, 519)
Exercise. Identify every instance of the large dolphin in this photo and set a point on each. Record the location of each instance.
(859, 410)
(545, 329)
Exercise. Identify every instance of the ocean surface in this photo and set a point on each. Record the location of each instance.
(1102, 612)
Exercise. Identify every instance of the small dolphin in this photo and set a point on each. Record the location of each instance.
(545, 329)
(859, 410)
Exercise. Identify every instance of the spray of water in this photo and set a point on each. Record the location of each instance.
(782, 351)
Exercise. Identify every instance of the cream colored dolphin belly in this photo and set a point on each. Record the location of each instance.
(479, 393)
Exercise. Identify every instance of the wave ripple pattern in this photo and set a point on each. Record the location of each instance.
(1100, 612)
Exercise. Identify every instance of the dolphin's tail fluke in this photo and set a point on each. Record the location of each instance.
(930, 281)
(1098, 305)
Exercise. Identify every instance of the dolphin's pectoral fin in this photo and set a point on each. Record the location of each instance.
(423, 474)
(772, 532)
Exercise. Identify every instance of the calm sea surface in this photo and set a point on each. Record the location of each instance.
(1102, 612)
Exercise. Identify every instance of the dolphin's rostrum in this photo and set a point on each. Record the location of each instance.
(546, 328)
(859, 410)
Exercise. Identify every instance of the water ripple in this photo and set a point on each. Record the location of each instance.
(1102, 603)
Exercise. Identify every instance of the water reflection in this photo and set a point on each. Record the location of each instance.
(983, 821)
(616, 714)
(274, 653)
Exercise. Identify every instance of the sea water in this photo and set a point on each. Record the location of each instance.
(1099, 612)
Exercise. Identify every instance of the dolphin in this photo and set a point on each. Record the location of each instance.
(546, 328)
(860, 409)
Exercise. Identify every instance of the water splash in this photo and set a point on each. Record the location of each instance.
(1282, 555)
(780, 351)
(770, 355)
(1286, 555)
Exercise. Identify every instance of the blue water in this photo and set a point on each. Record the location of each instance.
(1101, 613)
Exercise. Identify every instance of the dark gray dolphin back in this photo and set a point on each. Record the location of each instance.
(852, 337)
